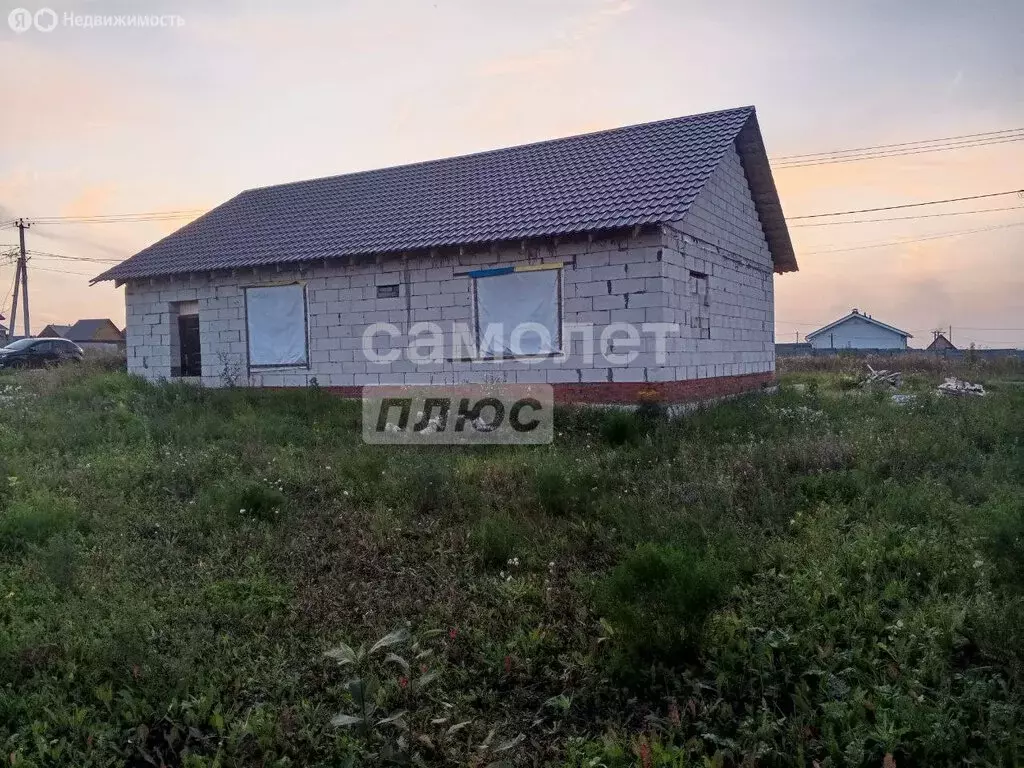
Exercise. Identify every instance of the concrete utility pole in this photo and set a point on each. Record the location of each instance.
(21, 280)
(14, 304)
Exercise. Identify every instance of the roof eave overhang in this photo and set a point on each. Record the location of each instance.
(754, 157)
(583, 233)
(840, 321)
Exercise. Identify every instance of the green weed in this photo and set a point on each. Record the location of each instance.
(821, 576)
(33, 517)
(658, 598)
(497, 539)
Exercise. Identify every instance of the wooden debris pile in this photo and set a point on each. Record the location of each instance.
(883, 377)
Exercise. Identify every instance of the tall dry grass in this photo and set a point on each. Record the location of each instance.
(966, 367)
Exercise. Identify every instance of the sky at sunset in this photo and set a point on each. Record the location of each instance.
(246, 94)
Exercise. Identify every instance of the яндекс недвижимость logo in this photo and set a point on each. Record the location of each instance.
(22, 20)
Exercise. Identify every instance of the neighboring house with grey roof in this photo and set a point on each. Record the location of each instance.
(858, 330)
(93, 333)
(54, 331)
(675, 223)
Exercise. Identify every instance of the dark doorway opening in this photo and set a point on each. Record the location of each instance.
(188, 341)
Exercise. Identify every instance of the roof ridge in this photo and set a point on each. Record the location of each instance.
(617, 178)
(498, 150)
(862, 316)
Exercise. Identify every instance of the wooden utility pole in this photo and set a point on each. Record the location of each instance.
(21, 280)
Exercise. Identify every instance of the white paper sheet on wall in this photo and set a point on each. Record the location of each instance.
(505, 302)
(276, 318)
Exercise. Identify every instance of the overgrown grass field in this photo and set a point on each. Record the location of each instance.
(209, 578)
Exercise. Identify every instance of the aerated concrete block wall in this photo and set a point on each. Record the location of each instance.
(720, 242)
(602, 282)
(635, 279)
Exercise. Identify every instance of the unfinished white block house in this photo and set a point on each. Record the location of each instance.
(672, 229)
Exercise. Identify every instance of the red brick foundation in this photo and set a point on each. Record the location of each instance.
(635, 392)
(669, 392)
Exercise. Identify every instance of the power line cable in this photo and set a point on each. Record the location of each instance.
(1010, 135)
(116, 218)
(10, 292)
(146, 216)
(69, 236)
(141, 220)
(970, 328)
(62, 271)
(7, 297)
(899, 144)
(902, 153)
(177, 212)
(908, 218)
(907, 205)
(941, 236)
(74, 258)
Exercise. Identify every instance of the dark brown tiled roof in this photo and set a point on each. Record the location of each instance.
(641, 174)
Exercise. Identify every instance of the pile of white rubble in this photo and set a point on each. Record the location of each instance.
(958, 387)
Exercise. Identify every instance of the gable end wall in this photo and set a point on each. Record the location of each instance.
(721, 237)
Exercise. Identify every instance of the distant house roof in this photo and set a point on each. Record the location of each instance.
(625, 177)
(53, 330)
(940, 342)
(96, 329)
(858, 314)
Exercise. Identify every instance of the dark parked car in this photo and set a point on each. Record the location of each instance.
(39, 353)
